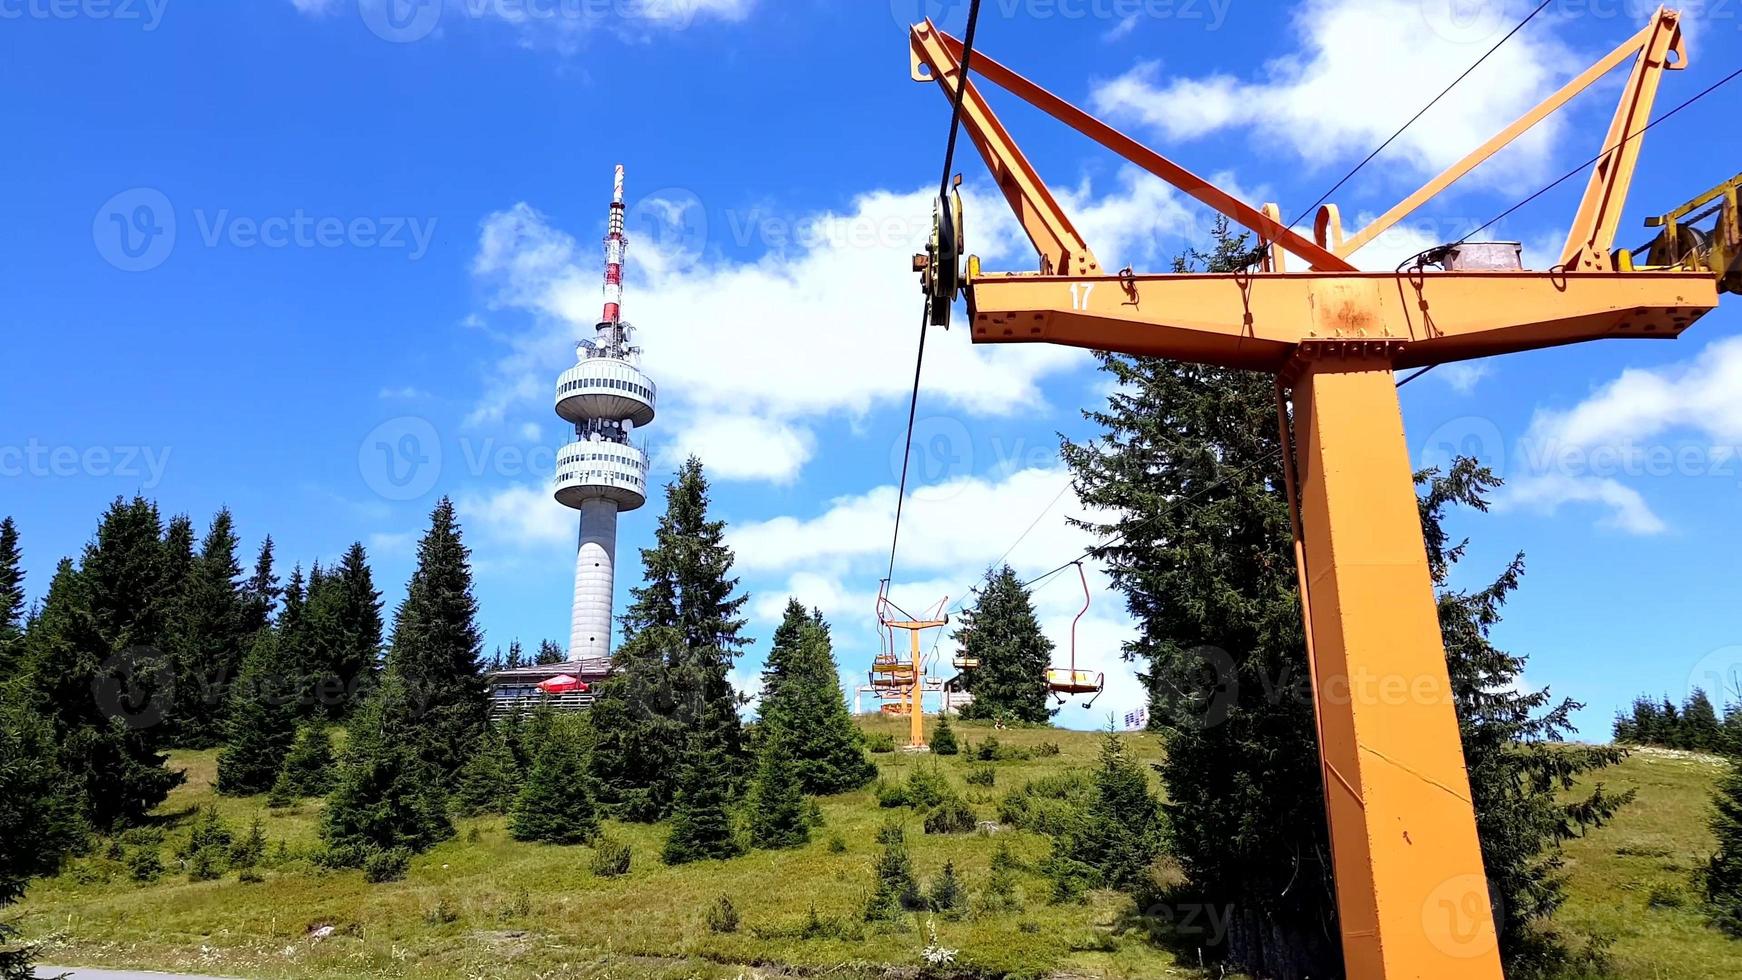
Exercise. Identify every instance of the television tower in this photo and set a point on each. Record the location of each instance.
(601, 473)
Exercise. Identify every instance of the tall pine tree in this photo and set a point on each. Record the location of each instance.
(436, 648)
(39, 815)
(95, 669)
(262, 720)
(360, 618)
(1001, 631)
(681, 636)
(803, 706)
(11, 601)
(262, 592)
(211, 637)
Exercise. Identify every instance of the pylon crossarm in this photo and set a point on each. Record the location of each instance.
(1593, 232)
(1257, 321)
(1061, 248)
(1662, 34)
(938, 50)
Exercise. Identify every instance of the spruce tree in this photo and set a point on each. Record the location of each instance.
(549, 654)
(491, 779)
(681, 636)
(262, 591)
(211, 637)
(807, 709)
(310, 766)
(40, 820)
(1721, 877)
(386, 796)
(782, 647)
(1120, 834)
(11, 600)
(1701, 730)
(701, 820)
(436, 647)
(345, 620)
(296, 646)
(1001, 631)
(261, 723)
(95, 669)
(779, 809)
(555, 806)
(943, 738)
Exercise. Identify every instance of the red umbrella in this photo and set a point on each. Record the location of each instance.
(563, 684)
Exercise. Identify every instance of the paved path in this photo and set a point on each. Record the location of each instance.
(77, 974)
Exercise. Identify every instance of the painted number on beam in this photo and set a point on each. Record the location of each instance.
(1080, 295)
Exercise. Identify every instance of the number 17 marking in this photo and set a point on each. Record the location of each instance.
(1080, 295)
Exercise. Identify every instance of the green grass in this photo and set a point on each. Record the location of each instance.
(483, 905)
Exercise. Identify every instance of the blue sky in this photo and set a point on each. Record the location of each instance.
(249, 244)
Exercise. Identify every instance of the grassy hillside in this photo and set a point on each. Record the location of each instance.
(483, 905)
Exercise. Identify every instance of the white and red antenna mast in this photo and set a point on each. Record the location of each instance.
(616, 249)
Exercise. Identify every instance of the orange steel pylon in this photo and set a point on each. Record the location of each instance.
(913, 670)
(1412, 896)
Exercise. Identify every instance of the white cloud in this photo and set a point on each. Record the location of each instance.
(1329, 101)
(820, 324)
(562, 26)
(402, 393)
(1546, 494)
(1683, 419)
(1464, 376)
(742, 447)
(520, 517)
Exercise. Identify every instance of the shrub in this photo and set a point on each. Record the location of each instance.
(205, 864)
(146, 864)
(722, 916)
(895, 887)
(881, 743)
(943, 740)
(386, 865)
(952, 816)
(1052, 805)
(555, 806)
(947, 894)
(611, 857)
(1046, 750)
(247, 853)
(988, 749)
(890, 795)
(442, 912)
(309, 768)
(837, 844)
(927, 787)
(981, 776)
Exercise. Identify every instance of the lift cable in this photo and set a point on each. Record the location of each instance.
(1720, 83)
(925, 317)
(1424, 111)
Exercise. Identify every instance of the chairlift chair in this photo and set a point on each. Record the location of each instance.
(1065, 683)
